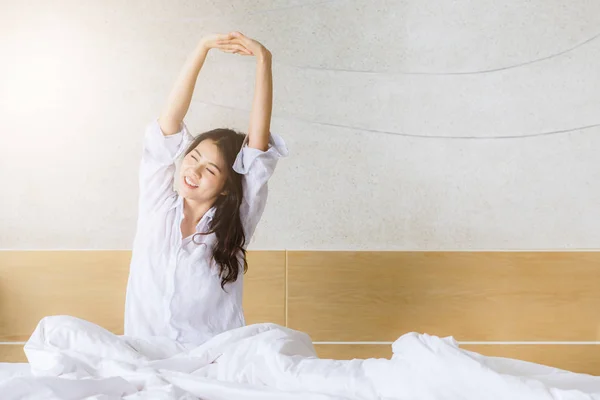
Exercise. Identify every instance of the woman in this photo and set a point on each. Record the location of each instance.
(188, 260)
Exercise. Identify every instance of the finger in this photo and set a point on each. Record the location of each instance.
(230, 41)
(231, 46)
(240, 36)
(224, 36)
(234, 48)
(248, 45)
(241, 53)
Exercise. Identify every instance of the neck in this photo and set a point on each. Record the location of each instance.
(194, 211)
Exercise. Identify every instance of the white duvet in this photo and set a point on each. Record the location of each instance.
(74, 359)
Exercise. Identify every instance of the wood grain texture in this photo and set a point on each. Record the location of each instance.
(12, 353)
(473, 296)
(577, 358)
(348, 296)
(91, 285)
(352, 351)
(264, 287)
(85, 284)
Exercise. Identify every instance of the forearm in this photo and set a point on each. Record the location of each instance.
(262, 104)
(180, 97)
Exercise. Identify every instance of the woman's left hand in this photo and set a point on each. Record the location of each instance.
(254, 47)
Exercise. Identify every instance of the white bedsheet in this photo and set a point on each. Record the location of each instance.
(75, 359)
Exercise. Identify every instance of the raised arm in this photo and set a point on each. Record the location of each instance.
(256, 161)
(262, 104)
(167, 137)
(180, 97)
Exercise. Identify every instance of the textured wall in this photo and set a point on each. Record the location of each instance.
(411, 124)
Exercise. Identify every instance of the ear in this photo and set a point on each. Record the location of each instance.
(225, 192)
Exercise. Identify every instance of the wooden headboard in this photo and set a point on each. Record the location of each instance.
(537, 306)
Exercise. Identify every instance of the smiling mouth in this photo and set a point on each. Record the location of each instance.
(189, 183)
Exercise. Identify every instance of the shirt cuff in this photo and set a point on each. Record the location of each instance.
(168, 147)
(248, 155)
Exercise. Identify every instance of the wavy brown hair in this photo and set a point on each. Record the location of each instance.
(226, 223)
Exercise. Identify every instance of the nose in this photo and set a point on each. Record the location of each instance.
(199, 169)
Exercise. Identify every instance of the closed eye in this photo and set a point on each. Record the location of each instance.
(212, 172)
(211, 163)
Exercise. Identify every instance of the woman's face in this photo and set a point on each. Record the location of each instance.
(203, 173)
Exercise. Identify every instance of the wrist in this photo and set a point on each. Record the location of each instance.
(203, 46)
(264, 56)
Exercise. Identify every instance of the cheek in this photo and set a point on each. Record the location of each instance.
(211, 182)
(184, 165)
(218, 183)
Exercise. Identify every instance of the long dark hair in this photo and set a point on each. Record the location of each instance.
(226, 223)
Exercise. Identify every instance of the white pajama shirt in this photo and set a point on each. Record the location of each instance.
(174, 288)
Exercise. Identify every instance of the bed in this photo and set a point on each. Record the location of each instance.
(540, 307)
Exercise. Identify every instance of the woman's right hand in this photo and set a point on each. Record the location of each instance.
(223, 43)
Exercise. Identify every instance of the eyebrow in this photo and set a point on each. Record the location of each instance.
(213, 164)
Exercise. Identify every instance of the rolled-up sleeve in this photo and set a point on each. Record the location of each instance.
(158, 164)
(256, 167)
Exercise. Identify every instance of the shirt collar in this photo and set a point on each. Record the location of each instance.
(208, 215)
